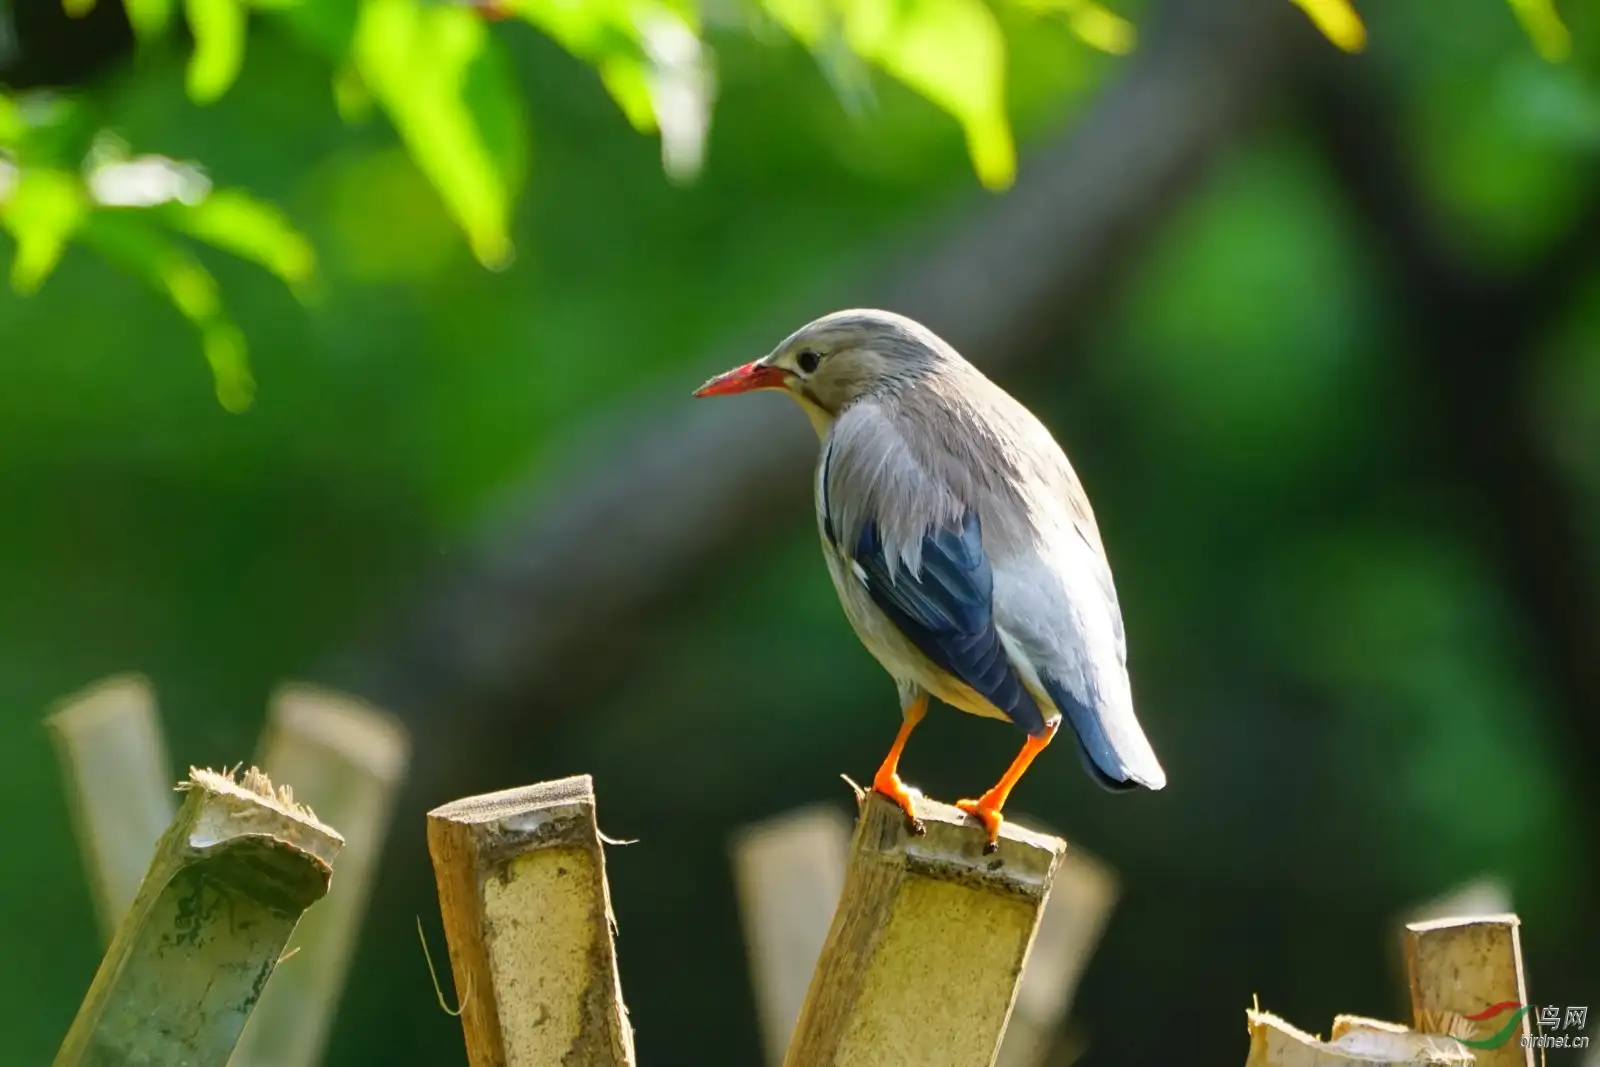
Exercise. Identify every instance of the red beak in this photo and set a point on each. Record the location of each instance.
(743, 379)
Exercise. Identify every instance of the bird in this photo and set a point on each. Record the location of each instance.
(962, 546)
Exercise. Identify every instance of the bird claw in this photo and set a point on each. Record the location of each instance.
(985, 812)
(891, 786)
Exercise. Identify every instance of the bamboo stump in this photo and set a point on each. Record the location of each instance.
(927, 947)
(1354, 1042)
(1461, 968)
(230, 879)
(347, 760)
(522, 887)
(119, 786)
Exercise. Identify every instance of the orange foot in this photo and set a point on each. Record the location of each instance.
(887, 780)
(986, 809)
(889, 784)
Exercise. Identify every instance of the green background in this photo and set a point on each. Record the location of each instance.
(1356, 705)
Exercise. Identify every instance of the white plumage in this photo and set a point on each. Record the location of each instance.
(960, 541)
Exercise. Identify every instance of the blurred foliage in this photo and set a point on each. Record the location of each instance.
(1338, 21)
(435, 72)
(1352, 711)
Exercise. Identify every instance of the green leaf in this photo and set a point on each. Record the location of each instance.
(250, 229)
(44, 209)
(1095, 25)
(1338, 22)
(131, 239)
(650, 59)
(224, 347)
(77, 9)
(627, 80)
(1550, 36)
(950, 51)
(808, 20)
(417, 62)
(219, 32)
(149, 18)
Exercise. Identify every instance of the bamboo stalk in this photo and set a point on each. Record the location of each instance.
(230, 879)
(927, 947)
(789, 871)
(108, 740)
(1355, 1042)
(527, 914)
(1459, 967)
(346, 760)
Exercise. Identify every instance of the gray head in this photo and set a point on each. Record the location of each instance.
(831, 362)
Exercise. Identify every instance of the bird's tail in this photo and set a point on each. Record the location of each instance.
(1113, 745)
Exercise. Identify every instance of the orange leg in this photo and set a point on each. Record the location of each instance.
(987, 807)
(887, 780)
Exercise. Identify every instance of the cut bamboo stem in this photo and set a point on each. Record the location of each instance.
(346, 760)
(789, 872)
(119, 787)
(1461, 967)
(229, 881)
(927, 947)
(527, 913)
(1354, 1042)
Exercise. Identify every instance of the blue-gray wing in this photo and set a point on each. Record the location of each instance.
(945, 610)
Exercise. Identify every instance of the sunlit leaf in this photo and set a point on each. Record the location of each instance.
(219, 32)
(650, 59)
(416, 61)
(626, 79)
(77, 9)
(250, 229)
(42, 212)
(1338, 22)
(132, 240)
(950, 51)
(149, 18)
(1094, 24)
(225, 350)
(808, 20)
(1542, 23)
(1103, 29)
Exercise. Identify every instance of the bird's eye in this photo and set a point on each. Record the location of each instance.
(807, 361)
